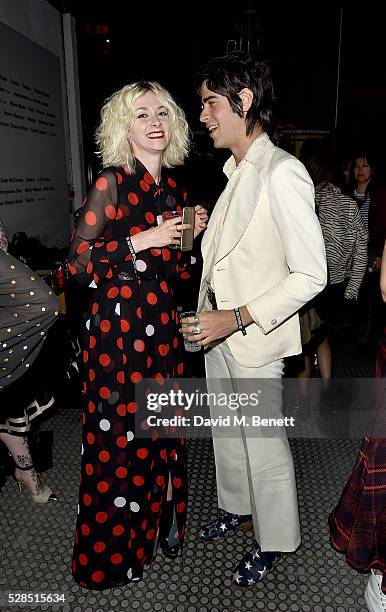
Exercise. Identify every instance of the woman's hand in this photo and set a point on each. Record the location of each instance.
(200, 219)
(165, 234)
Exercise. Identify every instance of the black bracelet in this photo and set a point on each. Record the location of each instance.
(239, 321)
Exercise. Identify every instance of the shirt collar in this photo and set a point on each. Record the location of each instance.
(253, 155)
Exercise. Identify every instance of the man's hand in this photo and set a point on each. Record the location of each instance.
(200, 219)
(214, 325)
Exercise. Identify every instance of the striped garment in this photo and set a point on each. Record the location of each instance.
(345, 237)
(3, 237)
(363, 201)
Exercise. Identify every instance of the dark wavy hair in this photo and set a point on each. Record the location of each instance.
(316, 156)
(229, 74)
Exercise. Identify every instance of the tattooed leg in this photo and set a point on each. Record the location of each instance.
(19, 449)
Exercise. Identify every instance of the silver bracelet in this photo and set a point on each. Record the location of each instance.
(239, 321)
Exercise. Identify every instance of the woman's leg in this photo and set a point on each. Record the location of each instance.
(324, 361)
(19, 449)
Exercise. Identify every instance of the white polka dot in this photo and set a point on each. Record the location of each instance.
(25, 348)
(130, 436)
(43, 309)
(12, 267)
(9, 329)
(78, 509)
(13, 282)
(92, 285)
(134, 507)
(140, 265)
(82, 450)
(118, 309)
(27, 365)
(149, 330)
(88, 324)
(104, 425)
(32, 293)
(192, 259)
(27, 305)
(4, 345)
(129, 573)
(120, 502)
(56, 313)
(32, 278)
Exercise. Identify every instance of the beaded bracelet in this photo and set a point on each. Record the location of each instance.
(239, 321)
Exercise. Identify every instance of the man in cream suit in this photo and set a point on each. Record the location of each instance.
(264, 258)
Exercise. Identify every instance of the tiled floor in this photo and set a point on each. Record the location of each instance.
(36, 541)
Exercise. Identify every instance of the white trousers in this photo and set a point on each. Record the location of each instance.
(255, 474)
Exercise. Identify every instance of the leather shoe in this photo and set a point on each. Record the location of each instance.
(226, 523)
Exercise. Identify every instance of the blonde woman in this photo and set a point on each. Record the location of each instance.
(132, 489)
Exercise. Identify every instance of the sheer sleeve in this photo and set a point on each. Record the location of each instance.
(92, 254)
(3, 237)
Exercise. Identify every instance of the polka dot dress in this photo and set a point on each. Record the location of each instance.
(131, 334)
(28, 308)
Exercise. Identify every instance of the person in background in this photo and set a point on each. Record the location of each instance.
(133, 490)
(345, 239)
(358, 522)
(264, 258)
(28, 309)
(370, 194)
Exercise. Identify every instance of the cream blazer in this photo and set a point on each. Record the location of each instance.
(269, 254)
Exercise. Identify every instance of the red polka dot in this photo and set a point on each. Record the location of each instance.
(118, 530)
(136, 377)
(119, 178)
(104, 456)
(155, 252)
(90, 218)
(142, 453)
(105, 325)
(150, 218)
(160, 480)
(125, 326)
(95, 308)
(132, 534)
(121, 377)
(121, 472)
(112, 246)
(90, 438)
(109, 273)
(172, 183)
(159, 378)
(113, 292)
(104, 359)
(122, 441)
(144, 186)
(151, 298)
(133, 198)
(120, 343)
(126, 292)
(163, 349)
(72, 269)
(149, 361)
(177, 482)
(110, 211)
(89, 268)
(87, 499)
(101, 517)
(155, 507)
(92, 342)
(180, 368)
(97, 576)
(181, 507)
(83, 559)
(140, 553)
(139, 312)
(132, 407)
(84, 246)
(163, 454)
(103, 486)
(101, 184)
(166, 254)
(150, 534)
(164, 318)
(139, 346)
(148, 178)
(104, 392)
(119, 214)
(164, 287)
(89, 469)
(121, 410)
(85, 356)
(138, 480)
(116, 559)
(91, 375)
(99, 547)
(135, 230)
(85, 529)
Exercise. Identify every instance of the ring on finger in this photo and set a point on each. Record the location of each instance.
(196, 329)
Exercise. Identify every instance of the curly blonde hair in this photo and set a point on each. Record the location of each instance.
(117, 119)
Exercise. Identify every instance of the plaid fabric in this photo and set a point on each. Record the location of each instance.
(358, 523)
